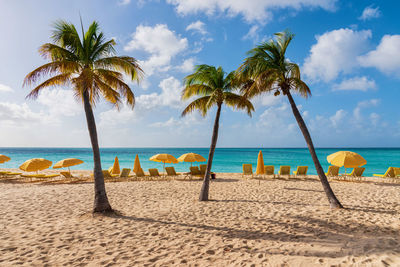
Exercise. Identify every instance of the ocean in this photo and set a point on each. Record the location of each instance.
(225, 159)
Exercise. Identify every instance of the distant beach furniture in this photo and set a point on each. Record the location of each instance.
(284, 170)
(333, 171)
(301, 171)
(247, 170)
(269, 170)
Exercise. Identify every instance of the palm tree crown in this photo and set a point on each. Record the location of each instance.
(87, 64)
(267, 69)
(214, 88)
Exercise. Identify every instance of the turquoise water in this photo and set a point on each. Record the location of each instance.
(225, 159)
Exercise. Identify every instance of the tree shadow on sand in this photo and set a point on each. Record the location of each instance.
(355, 239)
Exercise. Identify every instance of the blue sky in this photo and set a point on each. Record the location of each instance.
(348, 51)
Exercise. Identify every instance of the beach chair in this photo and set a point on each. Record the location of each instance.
(388, 174)
(269, 170)
(247, 170)
(301, 170)
(125, 173)
(356, 174)
(67, 175)
(203, 169)
(284, 170)
(154, 173)
(333, 171)
(8, 174)
(171, 171)
(108, 176)
(139, 174)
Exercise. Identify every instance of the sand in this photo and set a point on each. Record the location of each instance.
(161, 223)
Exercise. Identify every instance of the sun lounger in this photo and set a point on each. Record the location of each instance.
(356, 174)
(247, 170)
(125, 173)
(154, 173)
(171, 171)
(108, 175)
(388, 174)
(284, 170)
(269, 170)
(203, 169)
(67, 175)
(301, 170)
(333, 171)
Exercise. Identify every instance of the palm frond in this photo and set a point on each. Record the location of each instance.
(52, 68)
(59, 80)
(199, 104)
(196, 89)
(238, 102)
(126, 64)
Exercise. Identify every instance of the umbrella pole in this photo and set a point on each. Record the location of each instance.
(69, 170)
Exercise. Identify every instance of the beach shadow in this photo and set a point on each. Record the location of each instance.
(224, 180)
(355, 240)
(300, 189)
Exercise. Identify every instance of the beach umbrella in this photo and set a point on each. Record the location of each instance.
(114, 169)
(191, 157)
(136, 165)
(164, 158)
(67, 163)
(4, 158)
(346, 159)
(260, 164)
(34, 165)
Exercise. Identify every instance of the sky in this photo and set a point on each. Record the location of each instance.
(348, 53)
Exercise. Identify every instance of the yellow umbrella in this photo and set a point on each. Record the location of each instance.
(136, 165)
(191, 157)
(164, 158)
(4, 158)
(260, 164)
(66, 163)
(346, 159)
(114, 169)
(34, 165)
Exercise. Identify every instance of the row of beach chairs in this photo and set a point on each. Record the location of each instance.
(333, 172)
(194, 171)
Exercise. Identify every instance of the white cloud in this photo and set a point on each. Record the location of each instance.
(60, 102)
(114, 116)
(370, 13)
(364, 104)
(187, 65)
(355, 83)
(338, 117)
(124, 2)
(335, 52)
(386, 57)
(188, 121)
(160, 42)
(197, 26)
(253, 35)
(251, 10)
(5, 88)
(18, 115)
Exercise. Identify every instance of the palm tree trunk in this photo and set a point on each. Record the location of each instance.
(101, 203)
(334, 202)
(206, 182)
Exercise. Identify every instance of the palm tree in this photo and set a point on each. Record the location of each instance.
(214, 88)
(89, 66)
(266, 69)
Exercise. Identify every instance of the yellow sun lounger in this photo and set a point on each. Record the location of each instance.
(108, 175)
(247, 170)
(388, 174)
(301, 170)
(154, 173)
(333, 171)
(171, 171)
(269, 170)
(284, 170)
(125, 173)
(356, 174)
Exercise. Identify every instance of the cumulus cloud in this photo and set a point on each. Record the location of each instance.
(370, 13)
(355, 83)
(362, 105)
(251, 10)
(160, 42)
(386, 57)
(124, 2)
(198, 27)
(338, 117)
(187, 65)
(59, 102)
(18, 114)
(335, 52)
(5, 88)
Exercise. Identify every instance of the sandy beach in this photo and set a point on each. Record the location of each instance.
(161, 223)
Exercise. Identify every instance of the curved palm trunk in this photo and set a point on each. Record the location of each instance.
(334, 202)
(101, 203)
(206, 182)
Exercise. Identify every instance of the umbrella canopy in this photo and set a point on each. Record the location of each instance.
(4, 158)
(136, 165)
(191, 157)
(260, 164)
(346, 159)
(34, 165)
(66, 163)
(114, 169)
(164, 158)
